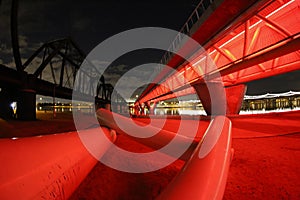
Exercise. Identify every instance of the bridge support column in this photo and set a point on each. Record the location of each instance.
(6, 98)
(235, 95)
(136, 109)
(152, 108)
(212, 97)
(217, 100)
(26, 106)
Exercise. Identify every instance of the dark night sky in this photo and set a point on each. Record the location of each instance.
(92, 21)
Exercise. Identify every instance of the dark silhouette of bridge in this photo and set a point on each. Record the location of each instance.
(49, 71)
(53, 75)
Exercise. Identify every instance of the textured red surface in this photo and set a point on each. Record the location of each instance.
(265, 164)
(46, 167)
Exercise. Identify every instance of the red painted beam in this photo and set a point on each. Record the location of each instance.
(46, 167)
(220, 16)
(204, 176)
(280, 50)
(277, 71)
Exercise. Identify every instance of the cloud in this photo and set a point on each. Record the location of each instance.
(128, 85)
(12, 64)
(129, 81)
(100, 65)
(6, 52)
(23, 41)
(4, 49)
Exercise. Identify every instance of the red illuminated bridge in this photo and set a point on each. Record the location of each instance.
(243, 41)
(264, 41)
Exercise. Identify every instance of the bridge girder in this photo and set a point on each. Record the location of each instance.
(262, 45)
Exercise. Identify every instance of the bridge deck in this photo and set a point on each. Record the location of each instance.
(260, 43)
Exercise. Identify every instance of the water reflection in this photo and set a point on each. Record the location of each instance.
(66, 109)
(157, 111)
(179, 111)
(200, 111)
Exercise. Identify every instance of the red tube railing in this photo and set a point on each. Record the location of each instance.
(46, 167)
(204, 176)
(159, 139)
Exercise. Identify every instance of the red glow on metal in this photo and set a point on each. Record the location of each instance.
(46, 167)
(204, 175)
(261, 33)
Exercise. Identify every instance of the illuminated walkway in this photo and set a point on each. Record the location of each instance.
(261, 44)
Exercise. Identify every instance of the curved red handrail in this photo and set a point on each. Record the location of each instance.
(204, 176)
(46, 167)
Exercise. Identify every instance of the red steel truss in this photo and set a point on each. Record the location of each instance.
(267, 44)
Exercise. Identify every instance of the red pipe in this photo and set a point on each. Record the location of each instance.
(204, 176)
(159, 139)
(46, 167)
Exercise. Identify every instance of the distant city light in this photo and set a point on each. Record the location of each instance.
(13, 105)
(268, 95)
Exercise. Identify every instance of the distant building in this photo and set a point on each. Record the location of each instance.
(272, 101)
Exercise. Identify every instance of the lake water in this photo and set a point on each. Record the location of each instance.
(163, 111)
